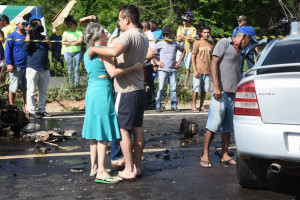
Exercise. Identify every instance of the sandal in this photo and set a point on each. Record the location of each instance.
(228, 162)
(104, 180)
(208, 164)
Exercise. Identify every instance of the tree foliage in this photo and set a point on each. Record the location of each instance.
(221, 15)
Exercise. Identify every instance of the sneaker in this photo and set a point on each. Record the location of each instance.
(175, 109)
(35, 115)
(158, 109)
(45, 114)
(118, 163)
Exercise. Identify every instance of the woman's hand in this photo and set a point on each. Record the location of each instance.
(91, 52)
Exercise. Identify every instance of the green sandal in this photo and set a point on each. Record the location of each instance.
(104, 180)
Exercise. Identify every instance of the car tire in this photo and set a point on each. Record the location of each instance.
(251, 172)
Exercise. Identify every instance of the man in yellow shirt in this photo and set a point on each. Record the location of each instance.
(185, 32)
(6, 27)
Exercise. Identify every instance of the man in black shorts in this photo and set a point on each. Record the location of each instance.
(130, 93)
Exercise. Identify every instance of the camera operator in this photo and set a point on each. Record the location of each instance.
(37, 72)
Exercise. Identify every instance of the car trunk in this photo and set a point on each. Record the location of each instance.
(278, 95)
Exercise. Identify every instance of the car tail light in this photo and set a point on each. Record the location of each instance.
(246, 100)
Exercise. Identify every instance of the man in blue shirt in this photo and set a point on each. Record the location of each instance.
(242, 21)
(16, 63)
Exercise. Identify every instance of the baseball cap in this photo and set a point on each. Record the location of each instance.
(20, 20)
(4, 17)
(242, 17)
(166, 30)
(247, 30)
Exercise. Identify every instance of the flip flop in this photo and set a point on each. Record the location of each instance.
(195, 111)
(107, 171)
(126, 179)
(226, 163)
(204, 110)
(208, 164)
(104, 180)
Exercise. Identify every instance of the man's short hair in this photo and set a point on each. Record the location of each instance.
(4, 18)
(146, 25)
(206, 27)
(153, 21)
(132, 12)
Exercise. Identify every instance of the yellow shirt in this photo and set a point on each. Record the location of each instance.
(184, 31)
(6, 31)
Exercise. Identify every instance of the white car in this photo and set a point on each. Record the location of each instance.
(267, 113)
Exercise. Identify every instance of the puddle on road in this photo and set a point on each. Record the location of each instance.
(33, 126)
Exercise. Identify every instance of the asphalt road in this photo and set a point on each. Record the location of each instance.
(170, 171)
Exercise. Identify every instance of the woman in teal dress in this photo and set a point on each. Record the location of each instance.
(100, 123)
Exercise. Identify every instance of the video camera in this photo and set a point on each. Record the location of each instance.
(26, 18)
(285, 26)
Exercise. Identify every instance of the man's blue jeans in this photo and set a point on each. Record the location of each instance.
(116, 152)
(73, 62)
(249, 64)
(162, 78)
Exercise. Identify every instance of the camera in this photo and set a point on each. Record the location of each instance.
(285, 26)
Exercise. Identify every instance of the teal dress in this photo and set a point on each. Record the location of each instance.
(100, 121)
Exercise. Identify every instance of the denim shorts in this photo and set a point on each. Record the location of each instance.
(220, 114)
(202, 84)
(186, 60)
(17, 79)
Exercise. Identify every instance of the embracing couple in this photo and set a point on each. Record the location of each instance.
(105, 121)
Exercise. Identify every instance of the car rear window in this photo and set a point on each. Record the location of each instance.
(284, 52)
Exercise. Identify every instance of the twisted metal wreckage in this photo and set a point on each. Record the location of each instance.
(13, 119)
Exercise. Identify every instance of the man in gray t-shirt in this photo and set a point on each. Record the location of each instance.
(225, 77)
(130, 93)
(167, 68)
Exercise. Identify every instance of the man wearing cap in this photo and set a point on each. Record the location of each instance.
(15, 58)
(185, 32)
(167, 68)
(6, 27)
(242, 21)
(225, 77)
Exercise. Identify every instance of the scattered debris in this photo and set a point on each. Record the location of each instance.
(77, 168)
(12, 118)
(188, 128)
(49, 137)
(41, 150)
(166, 156)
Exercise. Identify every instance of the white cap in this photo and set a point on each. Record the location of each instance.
(20, 20)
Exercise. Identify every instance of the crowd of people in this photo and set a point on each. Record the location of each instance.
(118, 69)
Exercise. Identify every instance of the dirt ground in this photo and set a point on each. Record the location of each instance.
(65, 106)
(68, 106)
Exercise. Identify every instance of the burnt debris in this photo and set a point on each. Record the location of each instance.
(188, 128)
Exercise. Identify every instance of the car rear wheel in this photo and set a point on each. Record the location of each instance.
(251, 172)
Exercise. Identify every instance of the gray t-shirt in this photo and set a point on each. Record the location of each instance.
(136, 48)
(229, 65)
(167, 54)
